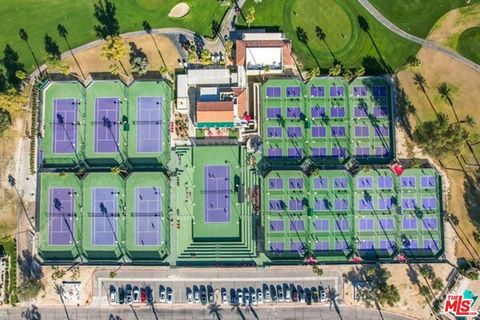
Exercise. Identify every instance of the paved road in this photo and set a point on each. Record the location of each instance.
(145, 313)
(429, 44)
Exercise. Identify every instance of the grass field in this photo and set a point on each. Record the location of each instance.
(345, 41)
(77, 16)
(469, 44)
(417, 16)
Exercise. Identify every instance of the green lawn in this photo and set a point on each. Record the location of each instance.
(469, 44)
(417, 16)
(345, 39)
(40, 17)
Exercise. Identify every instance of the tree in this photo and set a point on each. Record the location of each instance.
(335, 70)
(5, 120)
(29, 289)
(420, 82)
(425, 291)
(437, 284)
(192, 56)
(21, 75)
(314, 72)
(378, 290)
(114, 69)
(360, 71)
(113, 274)
(117, 170)
(58, 65)
(348, 75)
(469, 121)
(445, 92)
(439, 138)
(413, 62)
(250, 16)
(228, 48)
(140, 65)
(114, 49)
(206, 57)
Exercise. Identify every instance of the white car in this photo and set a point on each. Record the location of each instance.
(189, 296)
(113, 295)
(280, 294)
(163, 294)
(260, 296)
(136, 294)
(247, 298)
(322, 294)
(240, 297)
(267, 296)
(288, 296)
(224, 296)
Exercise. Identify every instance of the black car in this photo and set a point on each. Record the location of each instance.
(273, 292)
(203, 295)
(308, 296)
(149, 295)
(121, 295)
(233, 296)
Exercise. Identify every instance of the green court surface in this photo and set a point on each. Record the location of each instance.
(469, 44)
(86, 144)
(125, 225)
(52, 92)
(328, 128)
(375, 214)
(59, 252)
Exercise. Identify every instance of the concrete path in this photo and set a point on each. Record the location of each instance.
(426, 43)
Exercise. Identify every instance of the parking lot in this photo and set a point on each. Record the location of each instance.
(222, 291)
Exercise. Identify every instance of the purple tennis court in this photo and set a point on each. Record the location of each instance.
(65, 125)
(317, 91)
(106, 124)
(336, 91)
(148, 204)
(60, 218)
(149, 124)
(274, 92)
(104, 224)
(217, 194)
(359, 91)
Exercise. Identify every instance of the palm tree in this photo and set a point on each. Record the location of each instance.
(215, 310)
(469, 121)
(335, 70)
(117, 170)
(313, 73)
(62, 32)
(421, 84)
(24, 36)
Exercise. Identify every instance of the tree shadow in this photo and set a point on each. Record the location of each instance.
(24, 36)
(136, 52)
(105, 13)
(199, 43)
(148, 29)
(472, 197)
(404, 109)
(60, 291)
(12, 64)
(31, 313)
(372, 65)
(29, 267)
(302, 36)
(51, 47)
(413, 275)
(421, 84)
(366, 27)
(215, 27)
(322, 36)
(63, 32)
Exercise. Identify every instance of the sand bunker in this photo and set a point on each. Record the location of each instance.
(179, 11)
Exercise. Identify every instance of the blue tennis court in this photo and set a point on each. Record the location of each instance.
(61, 216)
(104, 211)
(217, 193)
(65, 125)
(106, 124)
(148, 204)
(149, 124)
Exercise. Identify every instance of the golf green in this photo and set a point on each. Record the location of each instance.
(469, 44)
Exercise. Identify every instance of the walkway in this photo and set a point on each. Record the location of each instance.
(426, 43)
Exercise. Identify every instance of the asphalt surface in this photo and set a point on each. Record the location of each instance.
(429, 44)
(226, 313)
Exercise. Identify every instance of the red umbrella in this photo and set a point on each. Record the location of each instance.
(357, 259)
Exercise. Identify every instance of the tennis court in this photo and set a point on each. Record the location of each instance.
(217, 194)
(65, 125)
(148, 216)
(149, 124)
(104, 216)
(106, 125)
(61, 216)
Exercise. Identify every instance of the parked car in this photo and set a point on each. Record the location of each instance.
(163, 294)
(210, 295)
(273, 293)
(322, 294)
(129, 293)
(308, 296)
(253, 294)
(224, 296)
(294, 295)
(280, 293)
(240, 296)
(268, 298)
(259, 296)
(170, 295)
(113, 295)
(196, 294)
(233, 296)
(203, 295)
(288, 296)
(121, 295)
(150, 297)
(314, 294)
(136, 294)
(247, 298)
(189, 296)
(301, 295)
(143, 295)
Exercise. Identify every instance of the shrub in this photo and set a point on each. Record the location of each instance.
(5, 120)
